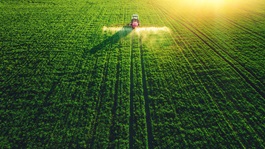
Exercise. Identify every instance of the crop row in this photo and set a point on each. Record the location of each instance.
(67, 83)
(205, 74)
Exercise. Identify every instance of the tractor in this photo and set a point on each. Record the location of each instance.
(135, 21)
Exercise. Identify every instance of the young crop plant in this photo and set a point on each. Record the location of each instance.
(78, 74)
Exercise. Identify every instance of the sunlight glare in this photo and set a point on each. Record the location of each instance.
(209, 6)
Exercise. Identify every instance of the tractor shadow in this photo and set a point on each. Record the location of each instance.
(126, 30)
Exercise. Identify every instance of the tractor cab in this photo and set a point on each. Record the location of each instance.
(135, 21)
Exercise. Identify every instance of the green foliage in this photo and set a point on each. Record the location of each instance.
(66, 83)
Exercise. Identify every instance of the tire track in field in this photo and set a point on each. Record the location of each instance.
(199, 61)
(204, 87)
(220, 47)
(248, 30)
(252, 16)
(154, 137)
(200, 35)
(204, 67)
(114, 128)
(249, 127)
(229, 46)
(112, 133)
(252, 129)
(253, 12)
(131, 122)
(99, 100)
(150, 136)
(231, 56)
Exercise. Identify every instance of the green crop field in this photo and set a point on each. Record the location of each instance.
(73, 74)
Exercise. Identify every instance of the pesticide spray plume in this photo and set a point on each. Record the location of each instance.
(115, 29)
(152, 29)
(138, 30)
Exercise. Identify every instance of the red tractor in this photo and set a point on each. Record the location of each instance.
(135, 21)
